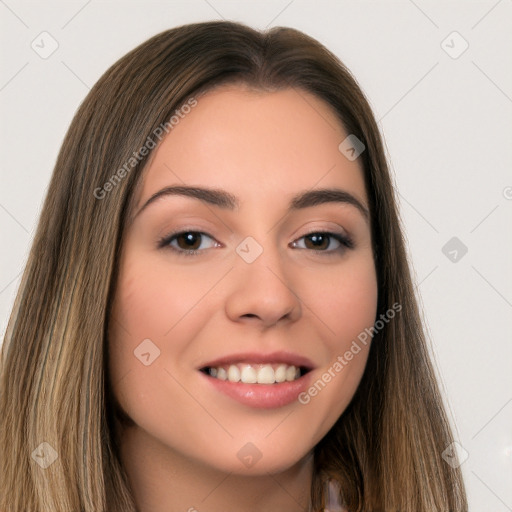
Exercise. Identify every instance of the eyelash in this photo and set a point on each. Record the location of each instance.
(345, 241)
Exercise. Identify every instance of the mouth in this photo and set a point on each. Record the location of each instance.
(256, 380)
(256, 373)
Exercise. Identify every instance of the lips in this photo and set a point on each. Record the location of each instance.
(259, 380)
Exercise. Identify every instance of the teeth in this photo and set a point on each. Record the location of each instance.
(280, 373)
(256, 373)
(222, 374)
(233, 373)
(249, 375)
(266, 375)
(290, 373)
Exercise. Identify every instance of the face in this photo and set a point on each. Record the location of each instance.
(244, 282)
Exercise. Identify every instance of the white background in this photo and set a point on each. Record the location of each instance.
(447, 124)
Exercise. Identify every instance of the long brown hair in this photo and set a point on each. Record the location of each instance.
(386, 448)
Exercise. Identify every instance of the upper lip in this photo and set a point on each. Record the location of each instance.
(259, 358)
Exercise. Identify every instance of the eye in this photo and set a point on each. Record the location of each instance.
(190, 243)
(323, 241)
(187, 243)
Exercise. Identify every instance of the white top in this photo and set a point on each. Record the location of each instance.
(332, 493)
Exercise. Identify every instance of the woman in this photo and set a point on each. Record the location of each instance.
(217, 312)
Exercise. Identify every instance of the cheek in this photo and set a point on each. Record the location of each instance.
(155, 318)
(151, 307)
(152, 298)
(346, 305)
(346, 300)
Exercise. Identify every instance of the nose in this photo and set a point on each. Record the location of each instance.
(263, 292)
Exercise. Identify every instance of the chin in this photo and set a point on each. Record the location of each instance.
(257, 459)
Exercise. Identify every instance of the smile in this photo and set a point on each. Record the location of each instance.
(250, 373)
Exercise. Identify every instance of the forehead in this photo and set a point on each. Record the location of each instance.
(255, 144)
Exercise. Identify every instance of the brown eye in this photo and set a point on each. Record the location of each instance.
(186, 242)
(325, 242)
(317, 241)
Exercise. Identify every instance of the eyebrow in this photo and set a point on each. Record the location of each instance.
(227, 201)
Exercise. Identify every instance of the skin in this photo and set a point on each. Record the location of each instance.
(263, 148)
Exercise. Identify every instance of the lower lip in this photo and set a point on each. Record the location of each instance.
(261, 396)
